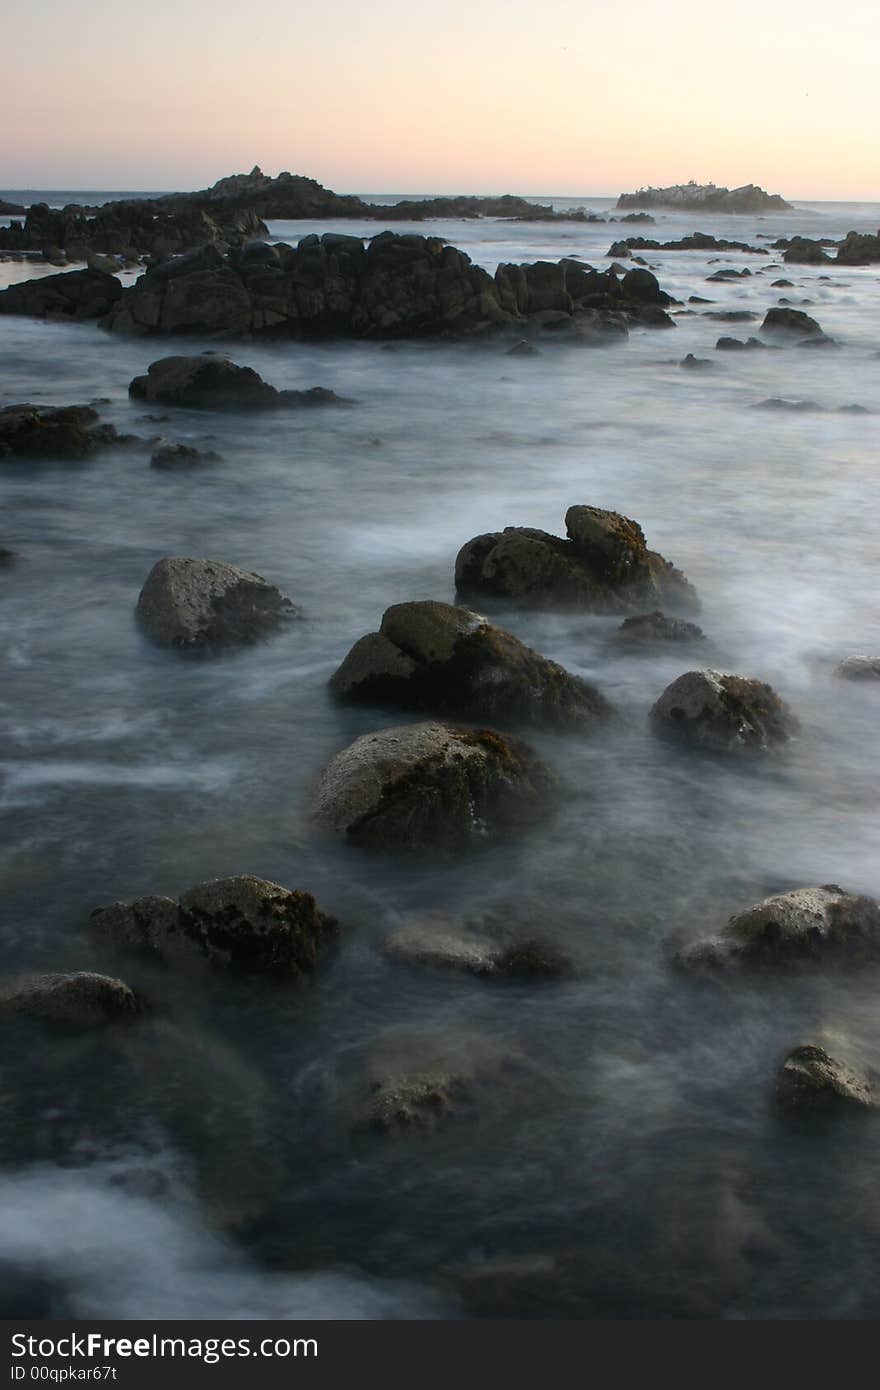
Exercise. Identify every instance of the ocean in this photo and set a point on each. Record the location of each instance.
(634, 1163)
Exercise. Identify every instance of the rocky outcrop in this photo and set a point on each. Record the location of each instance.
(859, 668)
(737, 344)
(858, 248)
(213, 382)
(811, 1082)
(646, 629)
(697, 241)
(445, 660)
(603, 567)
(791, 323)
(430, 788)
(706, 198)
(723, 713)
(74, 295)
(803, 251)
(404, 286)
(206, 604)
(81, 998)
(807, 925)
(243, 924)
(11, 209)
(130, 228)
(54, 432)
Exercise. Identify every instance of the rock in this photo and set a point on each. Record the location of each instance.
(697, 364)
(859, 668)
(706, 198)
(791, 323)
(777, 403)
(723, 713)
(656, 627)
(443, 659)
(806, 926)
(416, 1081)
(54, 432)
(604, 567)
(76, 295)
(737, 345)
(523, 348)
(244, 924)
(8, 209)
(438, 942)
(782, 284)
(803, 251)
(168, 454)
(207, 604)
(858, 249)
(810, 1082)
(81, 998)
(7, 557)
(430, 787)
(212, 382)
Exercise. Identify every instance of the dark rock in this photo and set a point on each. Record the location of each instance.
(697, 364)
(656, 627)
(212, 382)
(243, 923)
(729, 274)
(523, 349)
(803, 251)
(778, 404)
(207, 604)
(723, 713)
(806, 926)
(603, 567)
(76, 295)
(54, 432)
(859, 668)
(792, 323)
(441, 659)
(858, 249)
(430, 787)
(782, 284)
(417, 1081)
(811, 1082)
(82, 998)
(168, 454)
(706, 197)
(7, 557)
(736, 344)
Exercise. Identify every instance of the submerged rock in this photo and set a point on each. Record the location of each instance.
(440, 943)
(75, 294)
(446, 660)
(212, 382)
(603, 567)
(241, 923)
(54, 432)
(646, 628)
(170, 455)
(206, 604)
(810, 1082)
(416, 1081)
(723, 713)
(737, 344)
(430, 787)
(81, 998)
(806, 925)
(859, 668)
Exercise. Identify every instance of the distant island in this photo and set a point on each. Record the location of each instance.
(706, 197)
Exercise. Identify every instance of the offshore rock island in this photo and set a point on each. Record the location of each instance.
(705, 197)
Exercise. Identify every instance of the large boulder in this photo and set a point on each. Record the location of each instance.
(241, 923)
(858, 248)
(811, 1082)
(429, 787)
(81, 998)
(791, 323)
(76, 294)
(54, 432)
(723, 713)
(604, 566)
(806, 925)
(213, 382)
(802, 251)
(446, 660)
(199, 604)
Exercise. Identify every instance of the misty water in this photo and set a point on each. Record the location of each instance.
(630, 1161)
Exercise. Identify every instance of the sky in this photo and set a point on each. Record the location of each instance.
(481, 96)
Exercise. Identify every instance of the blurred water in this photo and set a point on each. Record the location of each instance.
(636, 1160)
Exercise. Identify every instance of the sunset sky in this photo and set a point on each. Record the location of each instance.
(468, 95)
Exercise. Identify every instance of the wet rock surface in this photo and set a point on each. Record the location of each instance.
(431, 788)
(859, 668)
(723, 713)
(811, 1082)
(208, 605)
(66, 432)
(76, 295)
(604, 566)
(443, 659)
(242, 924)
(81, 998)
(645, 629)
(213, 382)
(806, 925)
